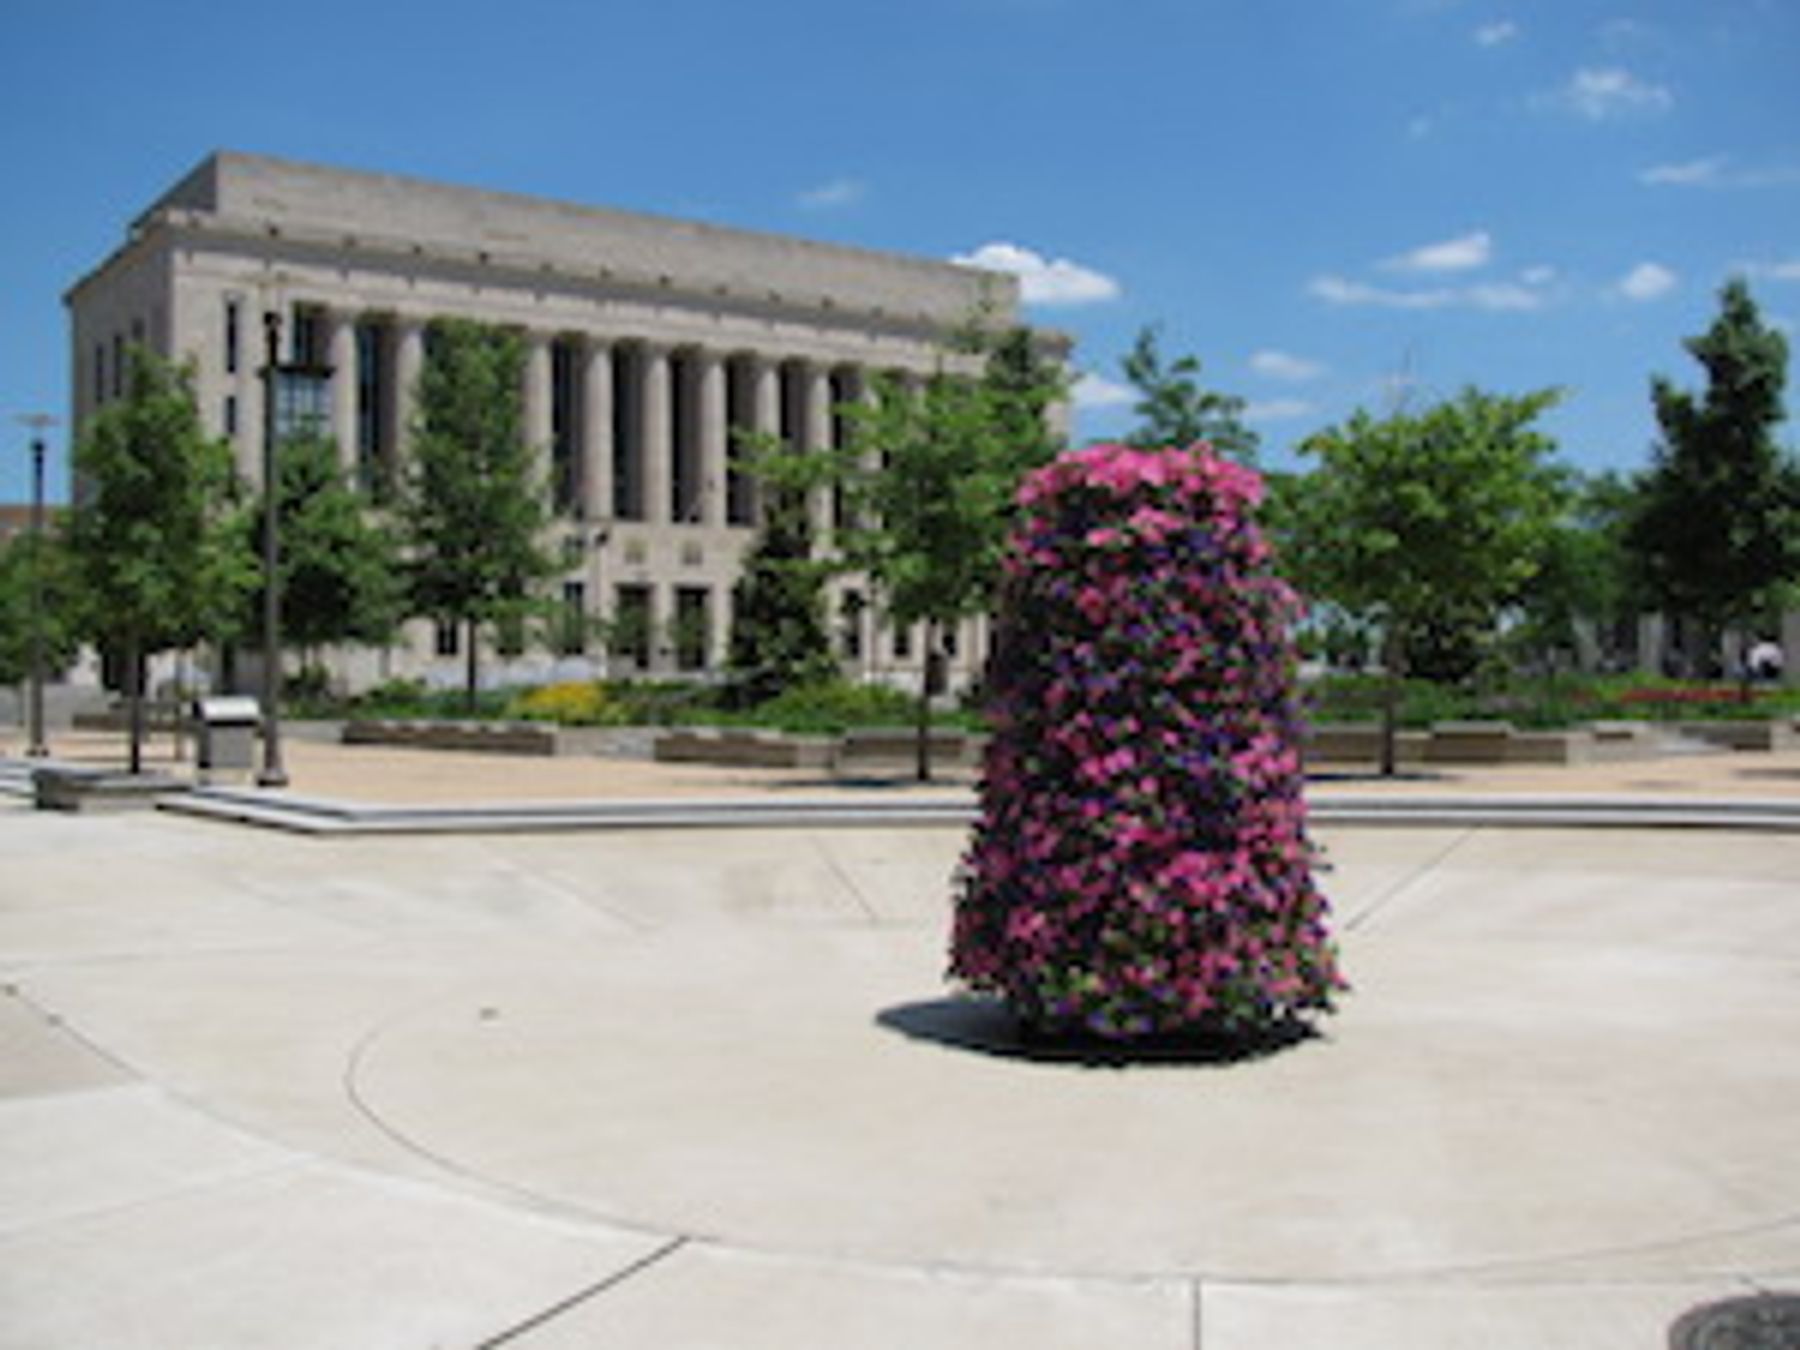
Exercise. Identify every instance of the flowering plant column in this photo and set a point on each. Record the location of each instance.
(1141, 865)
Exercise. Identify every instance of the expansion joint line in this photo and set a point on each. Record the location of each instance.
(1406, 883)
(581, 1296)
(1197, 1297)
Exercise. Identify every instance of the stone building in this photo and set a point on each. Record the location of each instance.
(649, 342)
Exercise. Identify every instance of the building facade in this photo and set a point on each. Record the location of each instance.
(651, 344)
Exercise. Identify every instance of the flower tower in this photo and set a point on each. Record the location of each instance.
(1141, 866)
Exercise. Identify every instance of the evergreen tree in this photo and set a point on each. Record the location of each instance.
(778, 637)
(1718, 527)
(471, 511)
(159, 560)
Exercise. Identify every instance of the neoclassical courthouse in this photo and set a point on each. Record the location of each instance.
(648, 341)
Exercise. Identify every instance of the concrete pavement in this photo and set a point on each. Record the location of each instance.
(706, 1088)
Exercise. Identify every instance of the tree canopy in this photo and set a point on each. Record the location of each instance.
(471, 509)
(1717, 530)
(158, 558)
(1173, 408)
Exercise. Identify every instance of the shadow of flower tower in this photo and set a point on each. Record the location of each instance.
(1141, 867)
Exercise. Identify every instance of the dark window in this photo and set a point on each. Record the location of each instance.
(793, 406)
(446, 638)
(231, 423)
(740, 421)
(99, 373)
(903, 642)
(118, 364)
(630, 637)
(565, 425)
(948, 643)
(306, 344)
(693, 627)
(628, 458)
(850, 625)
(233, 317)
(371, 398)
(844, 389)
(571, 639)
(684, 439)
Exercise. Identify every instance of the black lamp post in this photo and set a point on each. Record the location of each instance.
(293, 402)
(36, 748)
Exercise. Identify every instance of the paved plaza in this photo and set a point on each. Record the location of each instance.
(706, 1087)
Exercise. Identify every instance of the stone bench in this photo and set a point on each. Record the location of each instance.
(1758, 734)
(745, 748)
(81, 788)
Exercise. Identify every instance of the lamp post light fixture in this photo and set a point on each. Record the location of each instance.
(36, 747)
(293, 397)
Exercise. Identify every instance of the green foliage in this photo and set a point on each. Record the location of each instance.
(340, 571)
(1564, 700)
(1584, 571)
(57, 613)
(159, 559)
(778, 636)
(833, 706)
(1717, 531)
(1426, 524)
(1173, 409)
(470, 509)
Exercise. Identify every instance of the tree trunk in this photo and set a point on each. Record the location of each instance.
(922, 736)
(1393, 662)
(473, 669)
(134, 704)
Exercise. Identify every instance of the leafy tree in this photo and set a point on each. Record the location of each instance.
(1584, 571)
(1718, 528)
(778, 637)
(470, 510)
(1425, 523)
(340, 571)
(159, 558)
(929, 478)
(1173, 408)
(17, 578)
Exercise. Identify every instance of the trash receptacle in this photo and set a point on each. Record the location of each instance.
(226, 729)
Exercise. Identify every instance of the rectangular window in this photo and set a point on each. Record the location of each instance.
(693, 627)
(231, 423)
(565, 424)
(903, 642)
(684, 439)
(306, 343)
(99, 373)
(233, 332)
(628, 458)
(371, 400)
(740, 419)
(850, 625)
(446, 638)
(630, 638)
(118, 364)
(572, 639)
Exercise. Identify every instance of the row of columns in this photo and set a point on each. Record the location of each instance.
(653, 366)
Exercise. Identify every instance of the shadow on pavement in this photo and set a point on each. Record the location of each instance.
(986, 1027)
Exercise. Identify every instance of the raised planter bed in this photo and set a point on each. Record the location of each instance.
(78, 788)
(746, 748)
(1358, 743)
(885, 745)
(500, 738)
(1775, 734)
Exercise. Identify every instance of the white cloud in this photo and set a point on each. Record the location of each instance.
(1787, 270)
(1646, 281)
(1540, 275)
(1096, 391)
(1717, 171)
(1496, 34)
(1604, 93)
(1504, 295)
(1339, 291)
(1450, 255)
(838, 193)
(1043, 281)
(1284, 366)
(1278, 410)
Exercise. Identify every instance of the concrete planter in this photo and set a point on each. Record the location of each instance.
(746, 748)
(1775, 734)
(64, 788)
(500, 738)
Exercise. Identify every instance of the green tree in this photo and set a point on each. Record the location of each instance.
(1584, 573)
(1174, 409)
(470, 509)
(1717, 531)
(18, 574)
(1425, 524)
(341, 578)
(160, 558)
(778, 638)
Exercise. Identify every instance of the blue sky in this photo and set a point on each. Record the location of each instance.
(1333, 203)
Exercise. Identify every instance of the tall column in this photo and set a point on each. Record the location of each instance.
(818, 439)
(403, 400)
(710, 377)
(654, 372)
(343, 389)
(596, 474)
(765, 415)
(539, 428)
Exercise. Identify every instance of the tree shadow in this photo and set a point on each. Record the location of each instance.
(986, 1026)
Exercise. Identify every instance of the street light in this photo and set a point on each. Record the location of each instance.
(38, 422)
(293, 402)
